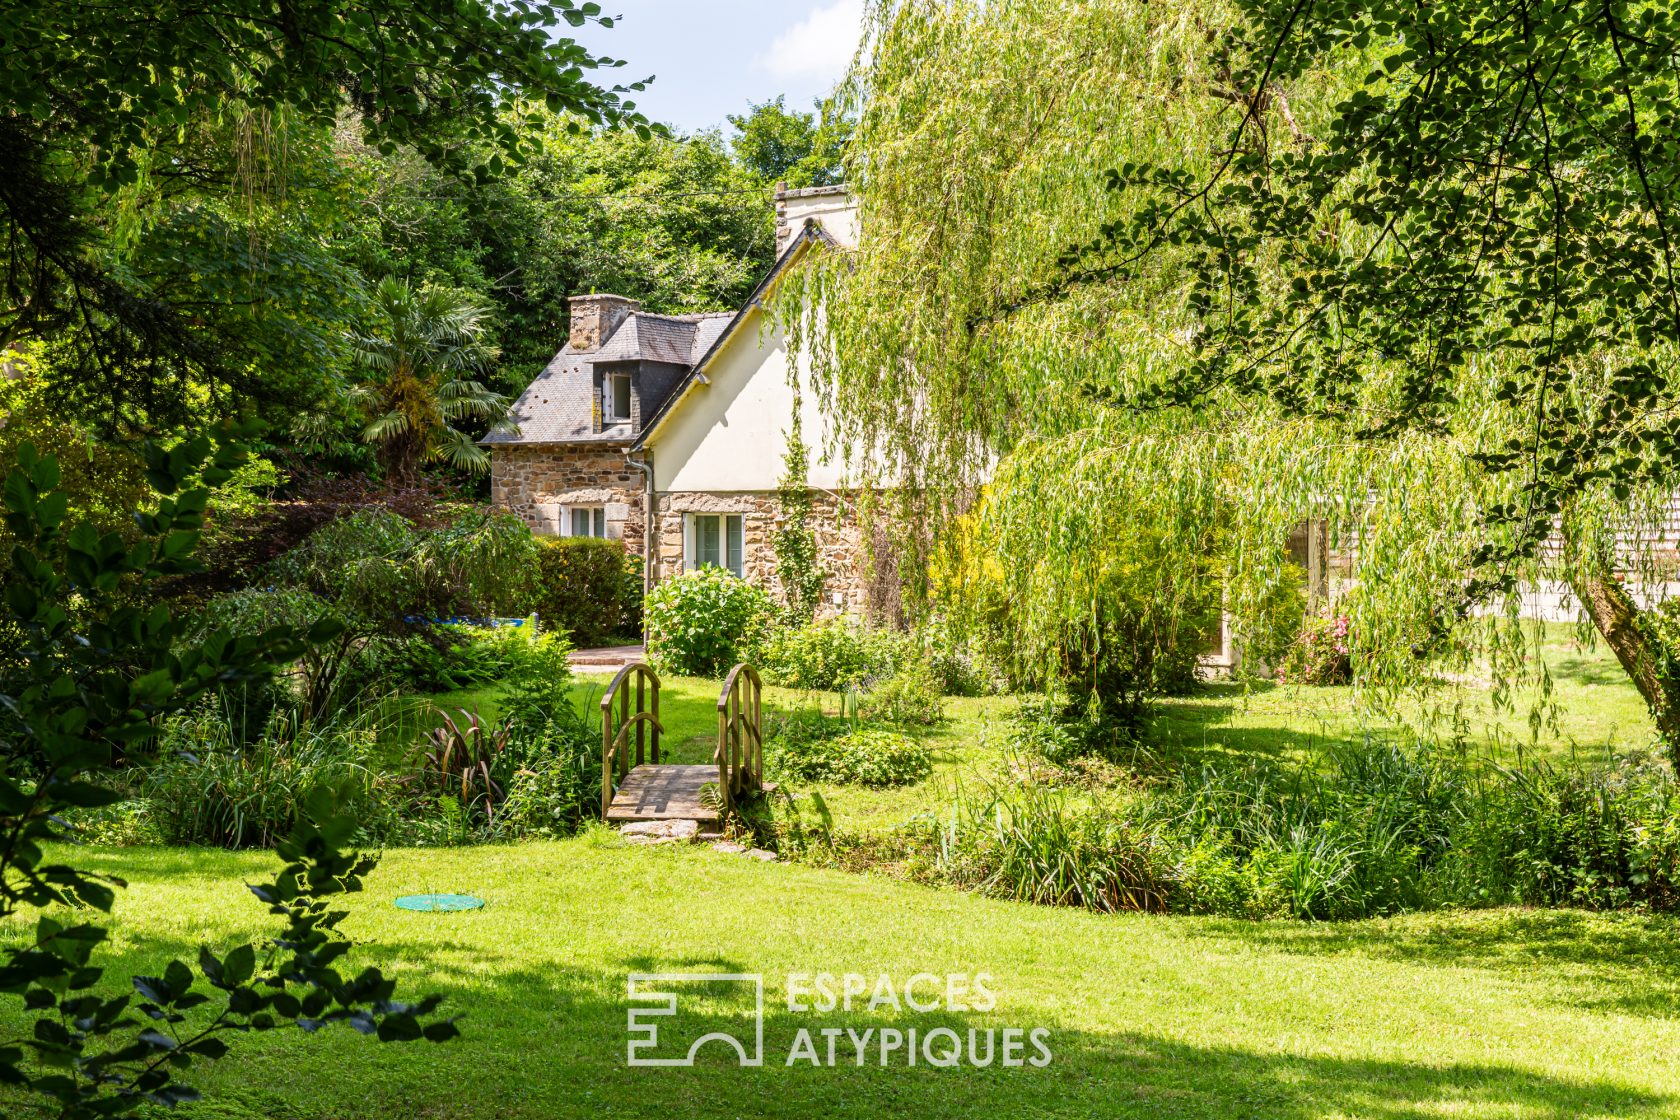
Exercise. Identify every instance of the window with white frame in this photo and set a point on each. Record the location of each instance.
(615, 399)
(583, 521)
(718, 539)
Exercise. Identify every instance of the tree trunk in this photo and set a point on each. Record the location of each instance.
(1616, 616)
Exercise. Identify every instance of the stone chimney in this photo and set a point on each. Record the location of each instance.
(595, 318)
(832, 208)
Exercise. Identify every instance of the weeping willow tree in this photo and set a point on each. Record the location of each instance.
(1230, 266)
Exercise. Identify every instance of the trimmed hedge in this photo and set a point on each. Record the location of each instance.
(585, 589)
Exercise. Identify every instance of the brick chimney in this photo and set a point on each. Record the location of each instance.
(595, 318)
(832, 208)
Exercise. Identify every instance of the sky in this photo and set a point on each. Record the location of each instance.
(711, 58)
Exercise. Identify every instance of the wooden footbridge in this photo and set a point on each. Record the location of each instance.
(637, 786)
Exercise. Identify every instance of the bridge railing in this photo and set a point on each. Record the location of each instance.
(740, 744)
(623, 714)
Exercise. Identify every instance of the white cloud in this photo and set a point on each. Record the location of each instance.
(820, 46)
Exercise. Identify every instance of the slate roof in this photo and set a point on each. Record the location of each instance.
(559, 405)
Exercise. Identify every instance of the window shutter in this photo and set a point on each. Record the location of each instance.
(688, 542)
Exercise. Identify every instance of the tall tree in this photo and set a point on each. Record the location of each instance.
(105, 98)
(675, 222)
(1409, 269)
(417, 383)
(782, 145)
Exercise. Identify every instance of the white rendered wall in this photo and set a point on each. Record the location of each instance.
(731, 434)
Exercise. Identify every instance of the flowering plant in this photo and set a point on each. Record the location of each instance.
(1320, 654)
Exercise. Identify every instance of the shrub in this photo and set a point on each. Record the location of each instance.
(1374, 830)
(1320, 654)
(1127, 623)
(867, 757)
(1063, 733)
(1034, 730)
(1277, 627)
(584, 587)
(558, 784)
(467, 759)
(835, 656)
(207, 787)
(700, 623)
(537, 682)
(483, 563)
(1034, 844)
(910, 695)
(443, 658)
(959, 660)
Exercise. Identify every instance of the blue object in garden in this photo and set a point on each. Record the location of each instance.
(487, 623)
(437, 903)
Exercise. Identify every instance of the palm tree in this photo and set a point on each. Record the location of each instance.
(419, 364)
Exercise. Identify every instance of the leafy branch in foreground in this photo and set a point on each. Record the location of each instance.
(87, 675)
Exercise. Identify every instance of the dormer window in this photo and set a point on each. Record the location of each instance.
(615, 399)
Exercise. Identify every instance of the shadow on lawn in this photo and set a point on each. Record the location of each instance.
(572, 1049)
(551, 1041)
(1621, 964)
(1197, 730)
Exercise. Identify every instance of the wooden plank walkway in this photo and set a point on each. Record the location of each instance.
(662, 793)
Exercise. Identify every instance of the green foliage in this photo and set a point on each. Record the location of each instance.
(94, 681)
(136, 202)
(103, 484)
(558, 785)
(537, 684)
(555, 748)
(862, 756)
(1114, 610)
(799, 149)
(359, 563)
(212, 785)
(445, 658)
(1282, 613)
(675, 223)
(418, 382)
(481, 562)
(1403, 268)
(466, 760)
(798, 563)
(1320, 654)
(839, 655)
(910, 695)
(1036, 844)
(375, 575)
(585, 587)
(1371, 830)
(1063, 734)
(701, 622)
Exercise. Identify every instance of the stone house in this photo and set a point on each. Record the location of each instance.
(667, 432)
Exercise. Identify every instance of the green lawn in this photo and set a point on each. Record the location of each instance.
(1598, 711)
(1505, 1014)
(1513, 1015)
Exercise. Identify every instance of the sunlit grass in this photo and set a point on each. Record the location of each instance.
(1508, 1015)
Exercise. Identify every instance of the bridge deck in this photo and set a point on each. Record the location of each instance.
(663, 793)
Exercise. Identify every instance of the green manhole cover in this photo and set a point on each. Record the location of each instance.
(438, 902)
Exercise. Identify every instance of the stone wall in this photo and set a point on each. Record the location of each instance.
(535, 481)
(833, 519)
